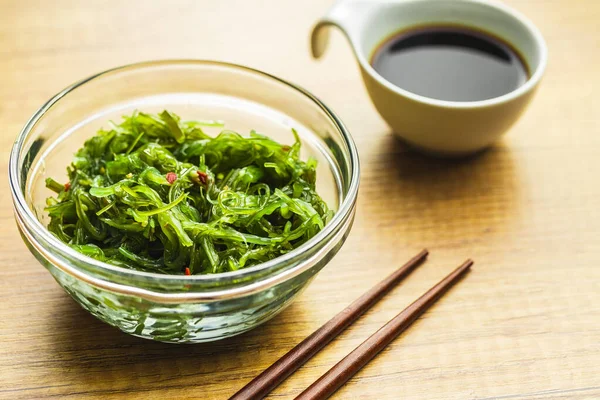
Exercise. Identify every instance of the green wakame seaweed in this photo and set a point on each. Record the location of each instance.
(158, 194)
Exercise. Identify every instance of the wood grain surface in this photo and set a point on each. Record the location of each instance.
(525, 325)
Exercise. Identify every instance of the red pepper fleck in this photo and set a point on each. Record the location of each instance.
(171, 177)
(187, 271)
(286, 148)
(203, 177)
(67, 186)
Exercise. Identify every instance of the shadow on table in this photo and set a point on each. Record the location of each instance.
(424, 199)
(99, 359)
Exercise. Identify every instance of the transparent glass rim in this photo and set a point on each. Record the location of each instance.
(30, 222)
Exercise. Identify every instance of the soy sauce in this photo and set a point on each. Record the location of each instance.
(450, 63)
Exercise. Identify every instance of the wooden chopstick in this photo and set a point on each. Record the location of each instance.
(327, 384)
(269, 379)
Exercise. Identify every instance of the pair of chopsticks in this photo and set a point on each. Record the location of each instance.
(333, 379)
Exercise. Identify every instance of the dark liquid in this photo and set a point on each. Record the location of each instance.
(450, 63)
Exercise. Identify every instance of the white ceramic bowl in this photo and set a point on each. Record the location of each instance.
(437, 126)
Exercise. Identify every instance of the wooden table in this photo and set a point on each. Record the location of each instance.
(524, 325)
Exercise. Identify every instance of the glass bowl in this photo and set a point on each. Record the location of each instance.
(177, 308)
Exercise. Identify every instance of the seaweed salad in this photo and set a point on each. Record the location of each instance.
(158, 194)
